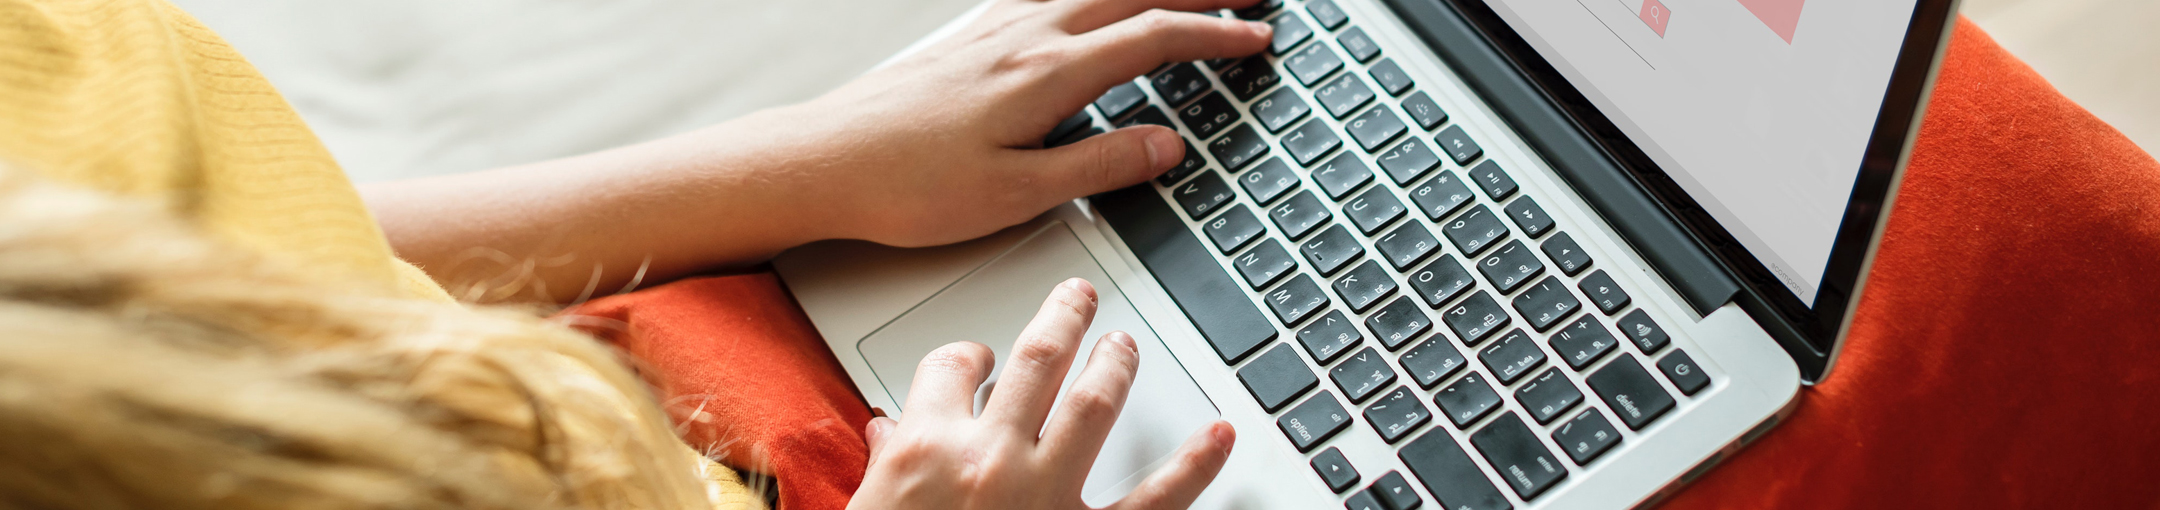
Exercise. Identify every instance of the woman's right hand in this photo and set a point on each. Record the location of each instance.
(1015, 455)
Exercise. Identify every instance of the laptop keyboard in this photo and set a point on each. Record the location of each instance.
(1353, 280)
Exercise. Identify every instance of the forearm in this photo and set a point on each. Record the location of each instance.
(550, 231)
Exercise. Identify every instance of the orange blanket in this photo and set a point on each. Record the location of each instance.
(1999, 358)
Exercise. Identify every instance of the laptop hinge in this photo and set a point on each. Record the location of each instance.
(1690, 267)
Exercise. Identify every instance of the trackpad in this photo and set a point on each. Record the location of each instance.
(994, 303)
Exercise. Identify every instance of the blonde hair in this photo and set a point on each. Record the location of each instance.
(144, 365)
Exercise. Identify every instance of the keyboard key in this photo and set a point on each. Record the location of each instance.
(1582, 342)
(1180, 83)
(1408, 160)
(1474, 231)
(1344, 95)
(1391, 77)
(1314, 421)
(1264, 264)
(1342, 175)
(1548, 395)
(1187, 271)
(1208, 116)
(1449, 475)
(1475, 318)
(1375, 127)
(1396, 414)
(1149, 115)
(1069, 126)
(1332, 250)
(1432, 361)
(1329, 337)
(1546, 303)
(1335, 470)
(1364, 286)
(1259, 10)
(1233, 229)
(1362, 375)
(1290, 31)
(1530, 217)
(1517, 454)
(1458, 145)
(1394, 492)
(1511, 357)
(1630, 392)
(1296, 300)
(1564, 253)
(1495, 181)
(1374, 209)
(1300, 215)
(1249, 77)
(1683, 372)
(1240, 147)
(1360, 46)
(1312, 64)
(1646, 334)
(1586, 436)
(1202, 196)
(1192, 164)
(1604, 292)
(1268, 181)
(1407, 245)
(1325, 12)
(1511, 267)
(1363, 500)
(1466, 400)
(1309, 142)
(1279, 109)
(1398, 323)
(1120, 100)
(1277, 377)
(1440, 196)
(1426, 113)
(1441, 281)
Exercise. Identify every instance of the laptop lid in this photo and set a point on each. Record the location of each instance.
(1774, 130)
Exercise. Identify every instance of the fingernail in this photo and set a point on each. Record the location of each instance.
(1226, 436)
(1124, 339)
(1163, 150)
(1261, 29)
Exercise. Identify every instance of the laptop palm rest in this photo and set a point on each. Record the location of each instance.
(992, 304)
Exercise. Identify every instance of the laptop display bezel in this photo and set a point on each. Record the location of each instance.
(1812, 332)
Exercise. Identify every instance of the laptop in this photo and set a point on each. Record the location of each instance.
(1460, 254)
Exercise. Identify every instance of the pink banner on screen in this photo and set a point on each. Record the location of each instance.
(1656, 15)
(1783, 16)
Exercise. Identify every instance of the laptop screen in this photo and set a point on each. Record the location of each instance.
(1761, 110)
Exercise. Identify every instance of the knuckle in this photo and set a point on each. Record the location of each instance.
(954, 358)
(1038, 351)
(1091, 405)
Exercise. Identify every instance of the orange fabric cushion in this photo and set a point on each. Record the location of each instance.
(1998, 359)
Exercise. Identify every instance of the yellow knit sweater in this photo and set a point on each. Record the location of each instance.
(135, 97)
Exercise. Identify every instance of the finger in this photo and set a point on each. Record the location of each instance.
(1083, 419)
(1178, 483)
(875, 433)
(1125, 49)
(1040, 358)
(1082, 16)
(946, 380)
(1104, 162)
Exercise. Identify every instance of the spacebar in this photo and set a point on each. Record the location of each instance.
(1214, 302)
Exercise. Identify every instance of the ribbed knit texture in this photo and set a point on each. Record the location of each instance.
(134, 97)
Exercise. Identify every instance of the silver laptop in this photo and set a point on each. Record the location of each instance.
(1461, 254)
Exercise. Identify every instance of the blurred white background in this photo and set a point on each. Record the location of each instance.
(401, 88)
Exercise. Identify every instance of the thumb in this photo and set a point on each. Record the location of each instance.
(1107, 161)
(876, 432)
